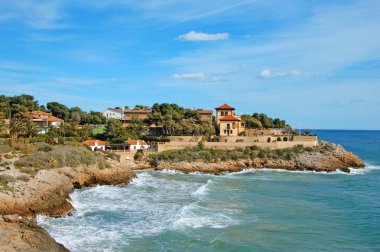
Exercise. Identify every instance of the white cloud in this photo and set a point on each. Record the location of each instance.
(199, 36)
(189, 76)
(199, 77)
(266, 74)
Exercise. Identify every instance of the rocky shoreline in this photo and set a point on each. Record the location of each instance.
(47, 193)
(336, 159)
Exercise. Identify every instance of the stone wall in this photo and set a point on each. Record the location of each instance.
(176, 145)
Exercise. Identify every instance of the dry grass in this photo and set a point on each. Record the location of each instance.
(59, 156)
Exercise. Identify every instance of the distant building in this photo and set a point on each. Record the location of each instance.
(114, 113)
(43, 120)
(229, 123)
(205, 115)
(95, 145)
(135, 113)
(136, 144)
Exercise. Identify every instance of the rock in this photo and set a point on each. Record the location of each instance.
(21, 237)
(329, 161)
(47, 194)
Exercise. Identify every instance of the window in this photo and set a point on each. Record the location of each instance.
(228, 126)
(242, 124)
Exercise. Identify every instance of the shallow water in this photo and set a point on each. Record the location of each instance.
(253, 210)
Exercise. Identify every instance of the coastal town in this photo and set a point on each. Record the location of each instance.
(47, 152)
(154, 129)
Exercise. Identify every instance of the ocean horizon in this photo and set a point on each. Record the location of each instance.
(252, 210)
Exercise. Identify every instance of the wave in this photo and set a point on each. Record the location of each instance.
(195, 216)
(202, 190)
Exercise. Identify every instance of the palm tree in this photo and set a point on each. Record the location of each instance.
(16, 127)
(30, 129)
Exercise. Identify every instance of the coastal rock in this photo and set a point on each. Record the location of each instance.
(47, 194)
(16, 236)
(328, 161)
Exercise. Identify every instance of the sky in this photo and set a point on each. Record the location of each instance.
(314, 63)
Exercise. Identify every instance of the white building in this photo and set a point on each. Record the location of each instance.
(136, 145)
(114, 113)
(95, 145)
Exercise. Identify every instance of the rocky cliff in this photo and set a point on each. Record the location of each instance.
(47, 194)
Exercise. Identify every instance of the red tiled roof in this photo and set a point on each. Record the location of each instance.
(54, 119)
(225, 106)
(134, 142)
(43, 116)
(92, 142)
(229, 118)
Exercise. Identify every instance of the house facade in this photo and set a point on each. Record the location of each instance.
(229, 123)
(95, 145)
(114, 113)
(140, 114)
(136, 145)
(43, 120)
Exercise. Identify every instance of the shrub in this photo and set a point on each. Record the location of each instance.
(155, 162)
(23, 177)
(43, 147)
(26, 148)
(5, 149)
(4, 180)
(60, 156)
(138, 155)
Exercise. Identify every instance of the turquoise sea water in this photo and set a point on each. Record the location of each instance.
(263, 210)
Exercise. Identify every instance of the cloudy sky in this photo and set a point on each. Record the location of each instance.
(314, 63)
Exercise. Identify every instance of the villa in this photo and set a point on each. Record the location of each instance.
(43, 120)
(229, 123)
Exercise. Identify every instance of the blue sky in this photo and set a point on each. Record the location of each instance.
(314, 63)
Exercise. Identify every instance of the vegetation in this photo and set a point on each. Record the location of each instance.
(57, 157)
(139, 155)
(17, 106)
(4, 180)
(168, 119)
(263, 121)
(199, 153)
(171, 119)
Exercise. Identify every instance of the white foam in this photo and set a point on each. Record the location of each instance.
(194, 216)
(202, 190)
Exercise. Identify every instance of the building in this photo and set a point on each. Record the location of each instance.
(135, 113)
(229, 123)
(95, 145)
(114, 113)
(43, 120)
(205, 115)
(136, 145)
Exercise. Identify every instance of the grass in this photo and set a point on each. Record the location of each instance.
(218, 155)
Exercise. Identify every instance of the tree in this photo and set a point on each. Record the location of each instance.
(115, 132)
(30, 129)
(16, 127)
(58, 110)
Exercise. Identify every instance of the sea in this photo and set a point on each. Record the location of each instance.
(252, 210)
